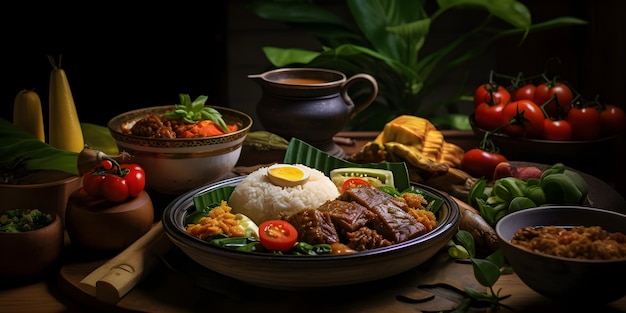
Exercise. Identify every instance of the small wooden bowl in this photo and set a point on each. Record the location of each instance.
(42, 189)
(99, 225)
(30, 254)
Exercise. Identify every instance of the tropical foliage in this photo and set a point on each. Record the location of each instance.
(392, 40)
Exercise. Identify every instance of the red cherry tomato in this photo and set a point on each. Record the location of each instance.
(613, 120)
(136, 179)
(560, 94)
(277, 235)
(116, 184)
(526, 92)
(528, 116)
(488, 117)
(106, 164)
(557, 129)
(115, 188)
(354, 182)
(92, 183)
(481, 163)
(586, 123)
(491, 93)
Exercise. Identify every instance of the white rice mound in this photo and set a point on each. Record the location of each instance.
(260, 200)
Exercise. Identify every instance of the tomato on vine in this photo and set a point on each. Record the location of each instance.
(526, 92)
(92, 183)
(491, 93)
(555, 96)
(586, 122)
(523, 118)
(613, 120)
(482, 161)
(488, 117)
(557, 129)
(115, 182)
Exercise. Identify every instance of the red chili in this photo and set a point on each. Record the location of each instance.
(354, 182)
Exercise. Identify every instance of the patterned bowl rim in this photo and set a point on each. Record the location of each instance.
(243, 120)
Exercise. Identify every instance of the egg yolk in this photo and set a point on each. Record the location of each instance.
(287, 172)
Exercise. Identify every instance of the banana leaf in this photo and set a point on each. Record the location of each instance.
(98, 137)
(18, 146)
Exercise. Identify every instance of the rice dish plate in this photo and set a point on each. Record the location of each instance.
(260, 200)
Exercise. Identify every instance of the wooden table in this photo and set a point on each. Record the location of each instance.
(177, 285)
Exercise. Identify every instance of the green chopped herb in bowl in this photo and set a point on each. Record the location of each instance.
(21, 220)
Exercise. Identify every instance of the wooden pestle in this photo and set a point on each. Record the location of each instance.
(115, 278)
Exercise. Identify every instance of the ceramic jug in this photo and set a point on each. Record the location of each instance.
(311, 104)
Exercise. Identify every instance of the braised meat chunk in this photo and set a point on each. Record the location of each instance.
(151, 126)
(347, 216)
(365, 238)
(313, 226)
(396, 224)
(371, 197)
(393, 221)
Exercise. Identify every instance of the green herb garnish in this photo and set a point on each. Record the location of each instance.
(194, 111)
(487, 271)
(21, 220)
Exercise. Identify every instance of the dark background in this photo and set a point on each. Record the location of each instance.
(123, 56)
(116, 57)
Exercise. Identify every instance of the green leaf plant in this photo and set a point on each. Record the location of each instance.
(389, 39)
(487, 271)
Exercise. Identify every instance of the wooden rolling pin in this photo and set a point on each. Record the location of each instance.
(115, 278)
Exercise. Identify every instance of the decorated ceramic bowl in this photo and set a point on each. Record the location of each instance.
(176, 165)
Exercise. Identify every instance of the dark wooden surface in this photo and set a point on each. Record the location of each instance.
(179, 285)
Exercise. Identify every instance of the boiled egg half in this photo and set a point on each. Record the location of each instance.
(287, 175)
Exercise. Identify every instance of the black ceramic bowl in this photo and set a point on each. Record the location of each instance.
(307, 272)
(545, 151)
(568, 280)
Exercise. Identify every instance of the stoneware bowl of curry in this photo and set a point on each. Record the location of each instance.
(176, 165)
(571, 281)
(305, 272)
